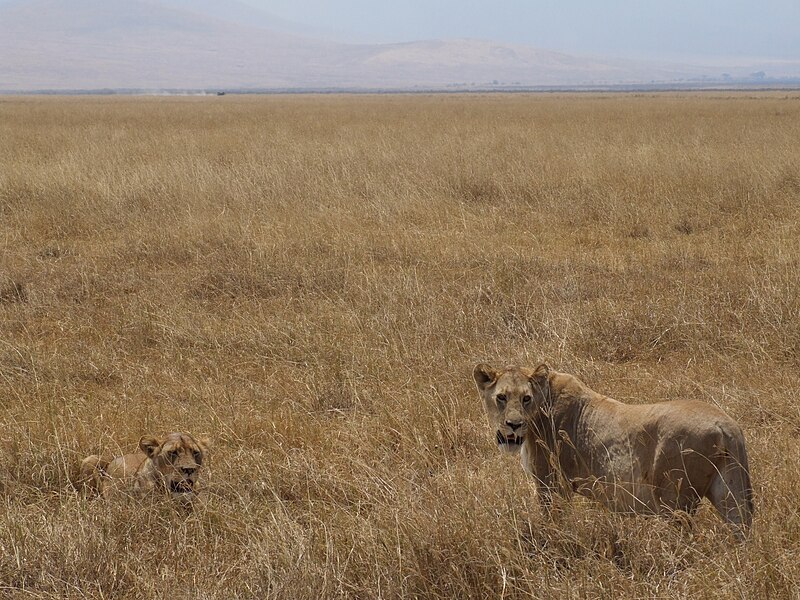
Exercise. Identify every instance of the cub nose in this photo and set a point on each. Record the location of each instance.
(514, 426)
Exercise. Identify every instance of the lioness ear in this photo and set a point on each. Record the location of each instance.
(541, 372)
(149, 445)
(484, 376)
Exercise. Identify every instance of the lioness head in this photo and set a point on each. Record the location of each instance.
(177, 460)
(512, 396)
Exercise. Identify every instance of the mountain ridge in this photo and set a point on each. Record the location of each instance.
(162, 44)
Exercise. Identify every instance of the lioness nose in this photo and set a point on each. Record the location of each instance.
(514, 426)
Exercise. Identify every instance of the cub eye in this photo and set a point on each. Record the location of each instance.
(501, 398)
(526, 399)
(198, 457)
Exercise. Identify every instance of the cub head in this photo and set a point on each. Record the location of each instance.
(512, 397)
(178, 459)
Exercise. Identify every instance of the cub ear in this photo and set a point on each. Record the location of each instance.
(204, 443)
(149, 445)
(541, 372)
(484, 376)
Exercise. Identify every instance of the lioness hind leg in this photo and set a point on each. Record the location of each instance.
(731, 495)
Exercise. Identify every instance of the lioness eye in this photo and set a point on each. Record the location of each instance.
(526, 399)
(501, 398)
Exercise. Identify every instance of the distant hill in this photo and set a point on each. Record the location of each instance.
(139, 44)
(193, 44)
(243, 14)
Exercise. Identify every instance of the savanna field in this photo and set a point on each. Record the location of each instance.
(308, 281)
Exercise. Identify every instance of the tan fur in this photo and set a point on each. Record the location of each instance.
(171, 465)
(648, 458)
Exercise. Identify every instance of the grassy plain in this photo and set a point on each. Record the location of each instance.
(309, 281)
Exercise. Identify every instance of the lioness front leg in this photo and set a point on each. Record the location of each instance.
(538, 466)
(545, 493)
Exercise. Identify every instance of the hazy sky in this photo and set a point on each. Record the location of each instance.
(635, 28)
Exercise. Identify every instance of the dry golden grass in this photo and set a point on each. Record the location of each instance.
(309, 281)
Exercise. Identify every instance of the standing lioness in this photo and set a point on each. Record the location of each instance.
(171, 465)
(649, 458)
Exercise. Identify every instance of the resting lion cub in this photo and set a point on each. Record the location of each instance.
(171, 465)
(649, 458)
